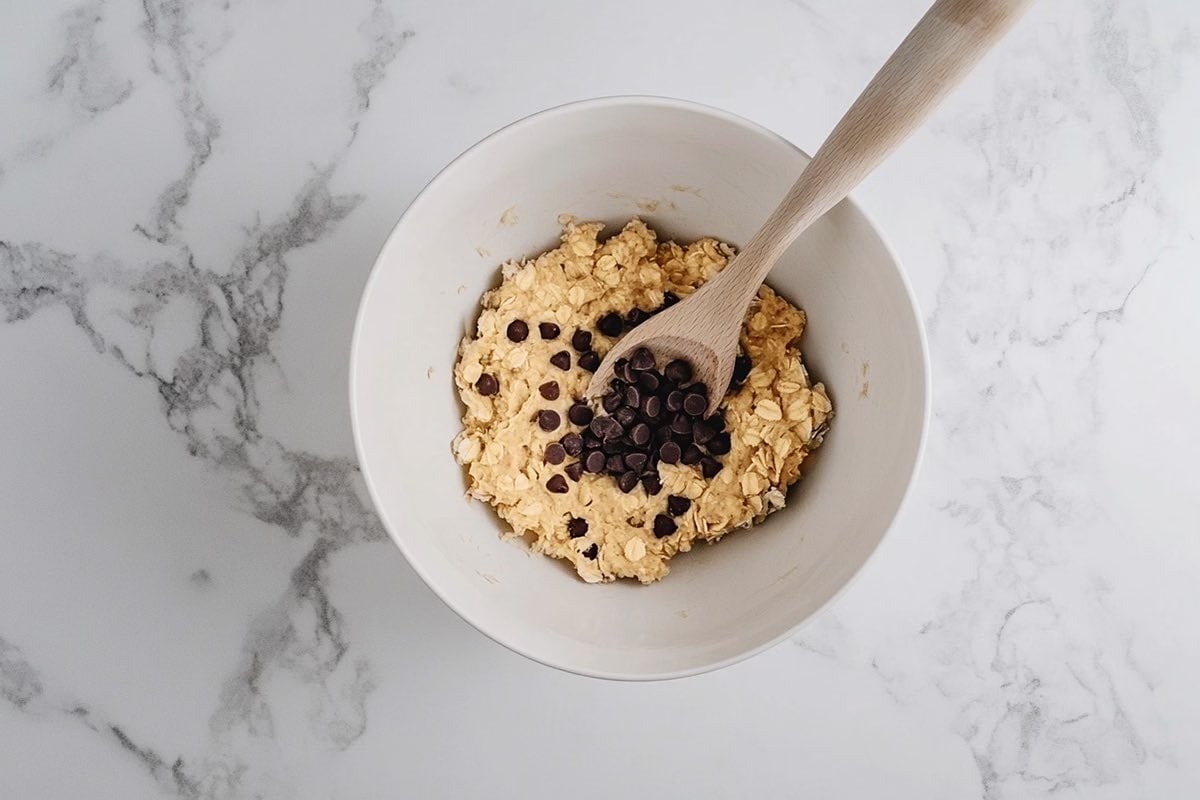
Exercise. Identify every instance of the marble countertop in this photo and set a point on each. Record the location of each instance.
(197, 601)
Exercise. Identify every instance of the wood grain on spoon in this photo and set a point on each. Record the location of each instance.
(704, 328)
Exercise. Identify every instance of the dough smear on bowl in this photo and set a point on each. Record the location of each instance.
(521, 379)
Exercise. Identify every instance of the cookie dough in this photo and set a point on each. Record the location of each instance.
(775, 418)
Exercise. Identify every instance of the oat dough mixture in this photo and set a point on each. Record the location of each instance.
(530, 355)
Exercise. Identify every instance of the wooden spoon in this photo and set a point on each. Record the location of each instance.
(951, 37)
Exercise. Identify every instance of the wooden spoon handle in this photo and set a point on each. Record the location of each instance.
(951, 37)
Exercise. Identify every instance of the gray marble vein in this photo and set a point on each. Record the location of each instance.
(83, 80)
(84, 74)
(178, 52)
(19, 685)
(379, 29)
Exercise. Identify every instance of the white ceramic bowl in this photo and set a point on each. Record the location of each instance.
(689, 171)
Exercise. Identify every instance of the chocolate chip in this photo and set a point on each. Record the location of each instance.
(626, 372)
(694, 405)
(741, 369)
(576, 527)
(555, 453)
(703, 431)
(548, 330)
(681, 425)
(572, 444)
(677, 505)
(517, 331)
(549, 390)
(640, 434)
(641, 360)
(581, 340)
(580, 413)
(636, 317)
(599, 426)
(636, 434)
(487, 385)
(606, 427)
(679, 371)
(589, 361)
(561, 359)
(574, 471)
(651, 407)
(557, 484)
(611, 324)
(719, 445)
(669, 299)
(548, 420)
(664, 526)
(592, 552)
(709, 467)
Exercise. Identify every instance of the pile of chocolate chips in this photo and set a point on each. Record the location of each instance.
(652, 416)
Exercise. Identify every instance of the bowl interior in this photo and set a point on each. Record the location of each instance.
(689, 172)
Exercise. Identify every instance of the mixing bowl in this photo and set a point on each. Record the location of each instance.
(688, 171)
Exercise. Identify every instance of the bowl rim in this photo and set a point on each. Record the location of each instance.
(513, 128)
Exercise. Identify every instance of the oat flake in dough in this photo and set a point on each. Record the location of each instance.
(776, 417)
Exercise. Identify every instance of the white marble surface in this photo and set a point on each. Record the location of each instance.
(196, 600)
